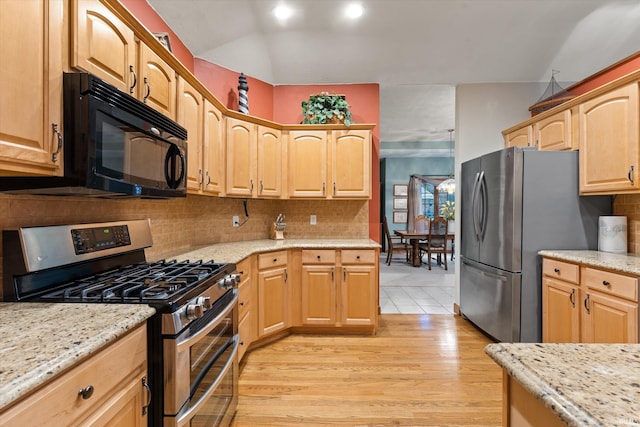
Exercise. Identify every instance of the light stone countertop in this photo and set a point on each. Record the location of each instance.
(624, 263)
(40, 340)
(237, 251)
(583, 384)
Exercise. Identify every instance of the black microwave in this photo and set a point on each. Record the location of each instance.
(114, 146)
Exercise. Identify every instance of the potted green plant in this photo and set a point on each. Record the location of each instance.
(323, 108)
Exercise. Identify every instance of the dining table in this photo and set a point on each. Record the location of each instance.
(415, 238)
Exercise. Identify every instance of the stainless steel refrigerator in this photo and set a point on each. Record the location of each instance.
(515, 202)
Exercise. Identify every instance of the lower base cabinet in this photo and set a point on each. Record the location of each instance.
(115, 380)
(273, 293)
(247, 328)
(522, 409)
(586, 304)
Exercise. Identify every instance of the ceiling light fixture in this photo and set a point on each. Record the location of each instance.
(282, 12)
(449, 185)
(354, 11)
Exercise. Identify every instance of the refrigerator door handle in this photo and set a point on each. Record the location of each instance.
(482, 191)
(474, 206)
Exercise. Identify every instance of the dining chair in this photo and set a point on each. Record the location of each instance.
(395, 244)
(436, 244)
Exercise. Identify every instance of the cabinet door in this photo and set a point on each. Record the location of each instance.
(519, 138)
(560, 313)
(307, 163)
(213, 149)
(241, 157)
(157, 86)
(358, 295)
(124, 407)
(554, 132)
(318, 295)
(607, 319)
(272, 301)
(269, 162)
(103, 44)
(30, 85)
(190, 116)
(608, 128)
(351, 164)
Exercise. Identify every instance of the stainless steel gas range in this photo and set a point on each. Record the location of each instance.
(193, 337)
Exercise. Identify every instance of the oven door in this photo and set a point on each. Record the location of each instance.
(201, 370)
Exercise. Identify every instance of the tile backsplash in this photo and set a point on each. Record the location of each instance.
(629, 206)
(179, 224)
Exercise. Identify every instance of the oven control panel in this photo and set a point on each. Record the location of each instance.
(87, 240)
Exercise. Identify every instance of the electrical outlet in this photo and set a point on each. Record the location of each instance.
(312, 220)
(236, 221)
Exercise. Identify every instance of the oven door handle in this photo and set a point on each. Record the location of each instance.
(187, 343)
(184, 419)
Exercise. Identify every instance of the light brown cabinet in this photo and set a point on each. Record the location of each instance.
(522, 137)
(115, 380)
(32, 42)
(586, 304)
(190, 116)
(241, 148)
(269, 162)
(247, 306)
(339, 287)
(609, 142)
(273, 293)
(554, 132)
(213, 150)
(103, 44)
(329, 164)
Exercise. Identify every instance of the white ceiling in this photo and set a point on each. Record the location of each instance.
(417, 50)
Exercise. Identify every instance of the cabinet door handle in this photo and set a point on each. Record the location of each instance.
(208, 179)
(146, 83)
(145, 384)
(86, 392)
(286, 276)
(323, 189)
(630, 175)
(556, 270)
(251, 188)
(332, 278)
(135, 79)
(261, 187)
(334, 188)
(606, 283)
(200, 179)
(572, 298)
(54, 155)
(586, 304)
(344, 274)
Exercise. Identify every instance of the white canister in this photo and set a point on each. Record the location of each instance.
(612, 235)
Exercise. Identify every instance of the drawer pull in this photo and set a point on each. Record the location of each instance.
(556, 270)
(145, 384)
(241, 303)
(358, 257)
(606, 283)
(275, 260)
(86, 392)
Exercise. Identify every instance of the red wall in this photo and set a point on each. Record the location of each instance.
(223, 84)
(619, 69)
(154, 23)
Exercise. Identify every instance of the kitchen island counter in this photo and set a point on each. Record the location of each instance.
(581, 384)
(40, 340)
(237, 251)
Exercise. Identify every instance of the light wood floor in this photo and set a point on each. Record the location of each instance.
(419, 370)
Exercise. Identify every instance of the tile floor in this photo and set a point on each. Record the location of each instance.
(416, 290)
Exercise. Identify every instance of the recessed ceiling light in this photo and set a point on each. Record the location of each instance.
(282, 12)
(354, 11)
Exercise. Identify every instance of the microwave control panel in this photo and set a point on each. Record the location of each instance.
(87, 240)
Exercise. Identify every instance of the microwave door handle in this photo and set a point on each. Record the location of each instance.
(170, 169)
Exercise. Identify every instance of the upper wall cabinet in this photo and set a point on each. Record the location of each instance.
(554, 132)
(307, 163)
(106, 46)
(241, 157)
(32, 50)
(190, 116)
(270, 154)
(351, 163)
(608, 134)
(522, 137)
(213, 150)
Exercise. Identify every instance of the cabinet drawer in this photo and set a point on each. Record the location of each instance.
(244, 298)
(358, 256)
(561, 270)
(610, 283)
(318, 256)
(272, 259)
(108, 371)
(245, 334)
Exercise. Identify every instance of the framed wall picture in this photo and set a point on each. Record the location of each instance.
(163, 38)
(400, 203)
(400, 189)
(399, 217)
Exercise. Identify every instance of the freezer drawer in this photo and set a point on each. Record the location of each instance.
(490, 299)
